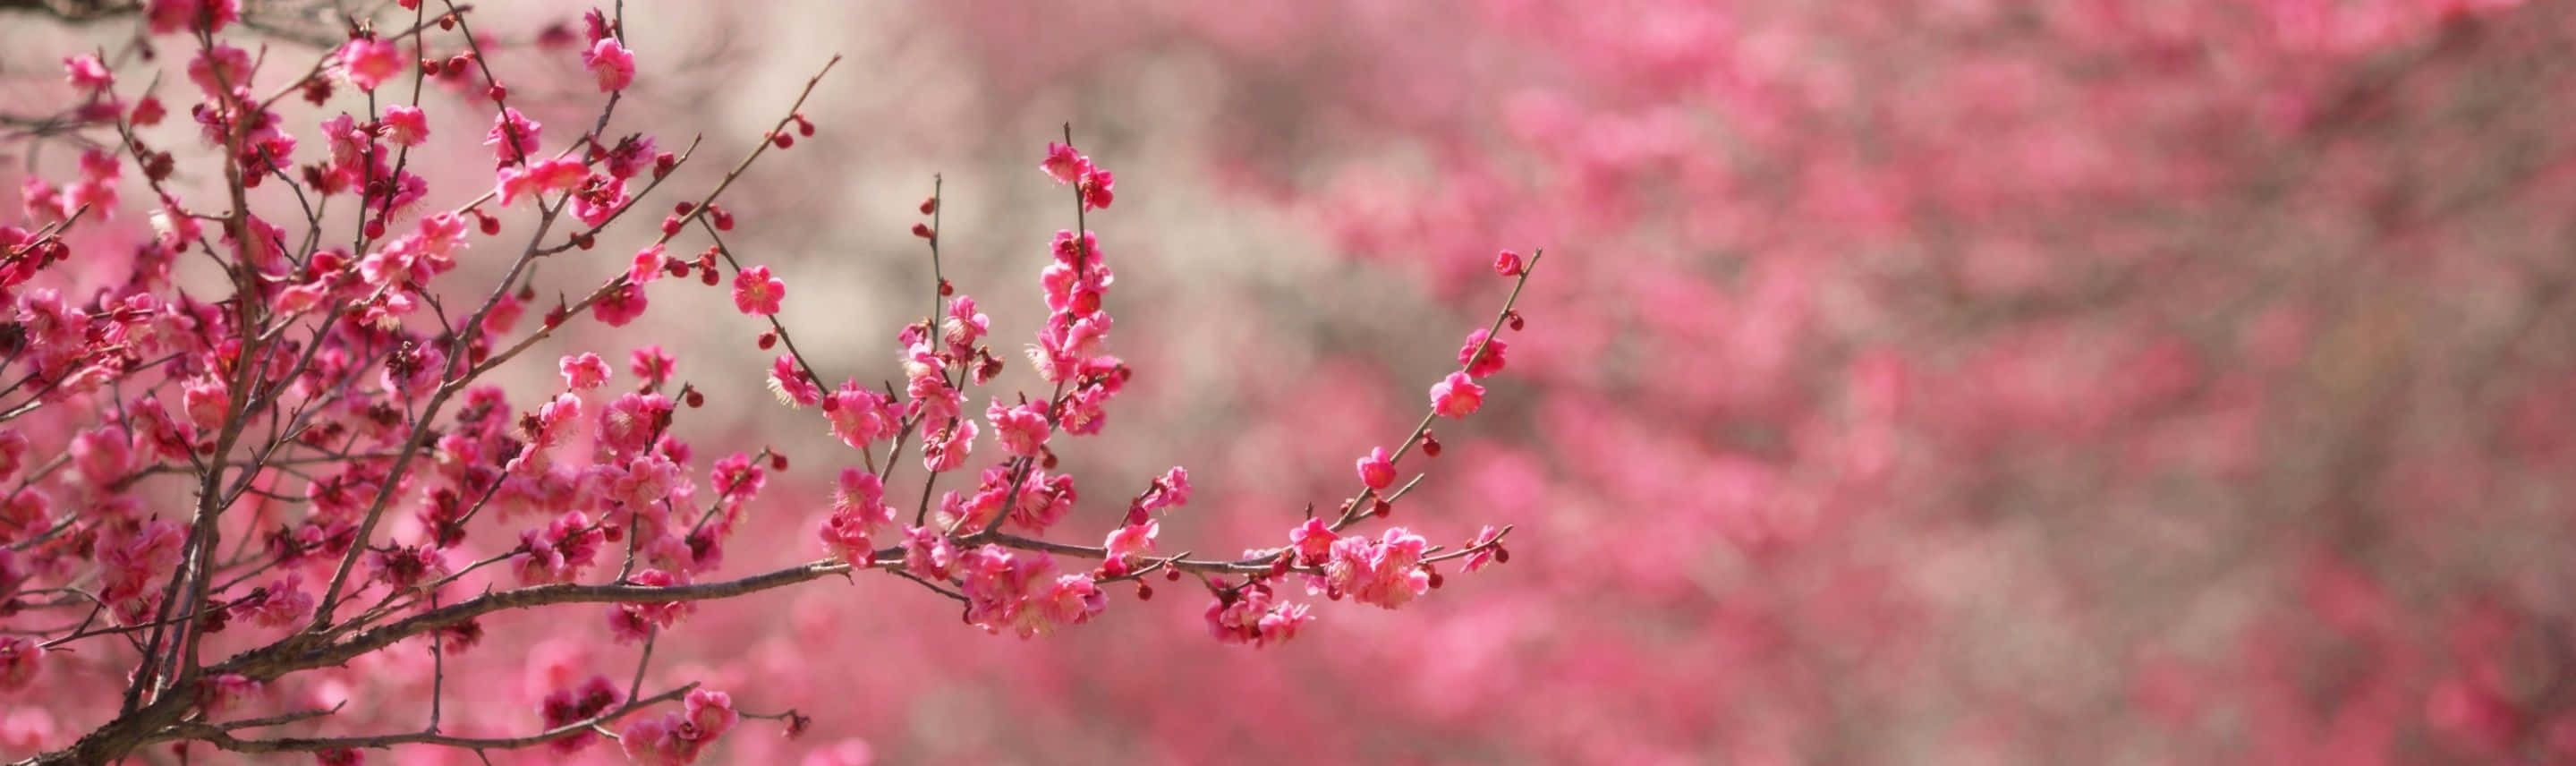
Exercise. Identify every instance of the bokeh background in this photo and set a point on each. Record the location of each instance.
(1908, 381)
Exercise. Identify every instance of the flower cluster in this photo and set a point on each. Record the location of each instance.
(216, 505)
(677, 737)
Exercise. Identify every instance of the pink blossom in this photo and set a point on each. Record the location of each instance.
(1456, 396)
(594, 26)
(1381, 572)
(541, 177)
(927, 554)
(88, 73)
(408, 567)
(1073, 599)
(965, 325)
(103, 454)
(640, 619)
(206, 399)
(860, 417)
(1096, 188)
(167, 16)
(647, 265)
(947, 449)
(406, 125)
(649, 741)
(1376, 470)
(513, 137)
(650, 363)
(623, 303)
(1171, 490)
(738, 478)
(1131, 540)
(558, 551)
(1312, 541)
(757, 293)
(646, 481)
(216, 69)
(1486, 364)
(1063, 164)
(629, 424)
(584, 371)
(791, 385)
(368, 61)
(569, 705)
(281, 603)
(858, 511)
(505, 315)
(707, 714)
(1022, 430)
(1487, 552)
(222, 691)
(1252, 616)
(610, 62)
(1507, 263)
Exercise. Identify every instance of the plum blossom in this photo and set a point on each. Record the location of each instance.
(406, 125)
(279, 604)
(87, 72)
(1376, 470)
(584, 371)
(860, 417)
(1382, 572)
(513, 136)
(647, 265)
(651, 364)
(1131, 541)
(1486, 364)
(757, 293)
(947, 449)
(222, 67)
(927, 554)
(678, 737)
(1456, 396)
(569, 705)
(167, 16)
(558, 551)
(1251, 615)
(368, 61)
(791, 385)
(622, 304)
(550, 176)
(1022, 430)
(611, 63)
(859, 510)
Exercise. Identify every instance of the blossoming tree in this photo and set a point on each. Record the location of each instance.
(252, 432)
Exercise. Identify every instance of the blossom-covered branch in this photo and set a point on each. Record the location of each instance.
(315, 471)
